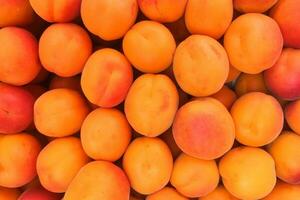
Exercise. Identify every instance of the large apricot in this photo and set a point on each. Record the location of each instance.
(166, 193)
(292, 115)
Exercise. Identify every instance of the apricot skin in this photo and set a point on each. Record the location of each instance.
(166, 193)
(246, 83)
(220, 193)
(254, 6)
(292, 115)
(9, 193)
(284, 191)
(39, 193)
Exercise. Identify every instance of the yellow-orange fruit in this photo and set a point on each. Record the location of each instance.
(258, 119)
(284, 191)
(253, 43)
(106, 77)
(248, 172)
(9, 193)
(19, 62)
(65, 82)
(162, 10)
(105, 134)
(99, 180)
(18, 154)
(64, 48)
(166, 193)
(233, 74)
(15, 13)
(226, 96)
(210, 18)
(292, 115)
(253, 6)
(149, 46)
(148, 164)
(203, 128)
(286, 153)
(200, 65)
(250, 83)
(194, 177)
(58, 163)
(56, 10)
(151, 104)
(60, 112)
(109, 19)
(220, 193)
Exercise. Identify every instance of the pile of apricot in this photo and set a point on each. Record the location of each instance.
(149, 99)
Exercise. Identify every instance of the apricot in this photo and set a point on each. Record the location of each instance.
(248, 172)
(148, 164)
(226, 96)
(60, 112)
(106, 77)
(109, 19)
(194, 177)
(65, 82)
(149, 46)
(284, 191)
(162, 10)
(256, 6)
(168, 138)
(210, 18)
(166, 193)
(9, 193)
(39, 193)
(200, 65)
(283, 78)
(233, 74)
(253, 43)
(292, 115)
(151, 104)
(220, 193)
(286, 153)
(286, 14)
(18, 154)
(250, 83)
(15, 13)
(58, 163)
(56, 10)
(19, 62)
(204, 129)
(99, 180)
(64, 48)
(16, 109)
(105, 134)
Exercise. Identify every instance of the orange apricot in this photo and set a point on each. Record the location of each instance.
(292, 115)
(254, 6)
(220, 193)
(284, 191)
(226, 96)
(39, 193)
(166, 193)
(9, 193)
(250, 83)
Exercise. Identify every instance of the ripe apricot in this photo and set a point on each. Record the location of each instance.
(248, 172)
(204, 129)
(39, 193)
(166, 193)
(106, 77)
(9, 193)
(254, 6)
(60, 112)
(151, 104)
(253, 43)
(149, 46)
(284, 191)
(226, 96)
(64, 48)
(220, 193)
(292, 115)
(148, 164)
(200, 65)
(246, 83)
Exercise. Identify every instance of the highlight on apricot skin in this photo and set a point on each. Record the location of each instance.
(166, 193)
(106, 78)
(162, 10)
(19, 62)
(9, 193)
(99, 180)
(64, 48)
(283, 78)
(254, 6)
(226, 96)
(114, 20)
(204, 129)
(250, 83)
(248, 172)
(286, 153)
(70, 155)
(292, 115)
(148, 164)
(9, 16)
(151, 104)
(233, 74)
(65, 82)
(258, 119)
(18, 165)
(284, 191)
(105, 134)
(149, 46)
(253, 43)
(200, 65)
(194, 177)
(56, 10)
(60, 112)
(220, 193)
(39, 193)
(210, 18)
